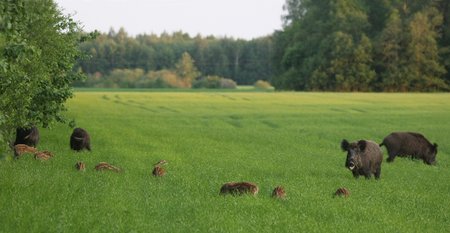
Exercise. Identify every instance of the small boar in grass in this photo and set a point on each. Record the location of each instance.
(239, 188)
(80, 140)
(279, 192)
(43, 155)
(80, 166)
(342, 192)
(410, 144)
(21, 149)
(102, 166)
(158, 170)
(27, 136)
(363, 158)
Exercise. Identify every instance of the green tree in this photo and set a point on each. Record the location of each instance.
(444, 45)
(326, 47)
(186, 69)
(38, 49)
(363, 45)
(391, 54)
(424, 66)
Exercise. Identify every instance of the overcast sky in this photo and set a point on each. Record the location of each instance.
(244, 19)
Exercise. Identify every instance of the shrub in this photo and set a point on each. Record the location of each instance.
(161, 79)
(261, 84)
(227, 83)
(214, 82)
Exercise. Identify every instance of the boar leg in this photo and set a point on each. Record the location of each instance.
(378, 172)
(367, 172)
(391, 156)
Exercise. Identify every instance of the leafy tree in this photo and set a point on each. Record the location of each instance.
(186, 70)
(295, 10)
(328, 47)
(391, 54)
(444, 42)
(423, 65)
(38, 49)
(363, 45)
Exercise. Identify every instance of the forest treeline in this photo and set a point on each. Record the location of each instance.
(154, 57)
(327, 45)
(363, 45)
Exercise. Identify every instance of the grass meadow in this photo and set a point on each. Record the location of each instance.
(209, 138)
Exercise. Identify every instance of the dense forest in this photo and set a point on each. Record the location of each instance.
(328, 45)
(363, 45)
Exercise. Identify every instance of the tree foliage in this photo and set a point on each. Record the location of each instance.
(186, 69)
(363, 45)
(38, 49)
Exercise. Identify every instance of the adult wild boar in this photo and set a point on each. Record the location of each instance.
(363, 158)
(80, 140)
(27, 136)
(410, 144)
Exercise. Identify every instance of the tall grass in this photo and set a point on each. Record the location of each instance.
(209, 138)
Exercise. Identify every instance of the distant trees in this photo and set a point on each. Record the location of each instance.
(184, 74)
(326, 45)
(239, 60)
(363, 45)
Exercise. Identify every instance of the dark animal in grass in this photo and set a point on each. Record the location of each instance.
(342, 192)
(27, 136)
(414, 145)
(279, 192)
(158, 170)
(363, 158)
(80, 140)
(21, 149)
(80, 166)
(239, 188)
(104, 166)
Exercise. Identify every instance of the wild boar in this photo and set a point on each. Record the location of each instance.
(239, 188)
(279, 192)
(80, 140)
(363, 158)
(21, 149)
(411, 144)
(27, 136)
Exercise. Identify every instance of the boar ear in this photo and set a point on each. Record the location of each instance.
(435, 146)
(344, 145)
(362, 145)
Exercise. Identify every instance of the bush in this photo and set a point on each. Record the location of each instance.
(207, 82)
(261, 84)
(227, 83)
(214, 82)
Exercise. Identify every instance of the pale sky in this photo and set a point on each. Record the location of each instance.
(246, 19)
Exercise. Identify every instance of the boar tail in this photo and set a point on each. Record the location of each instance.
(381, 144)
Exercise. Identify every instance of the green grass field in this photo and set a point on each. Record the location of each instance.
(209, 138)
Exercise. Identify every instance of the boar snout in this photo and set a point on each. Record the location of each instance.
(351, 165)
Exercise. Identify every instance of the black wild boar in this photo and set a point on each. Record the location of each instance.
(363, 158)
(27, 136)
(80, 140)
(410, 144)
